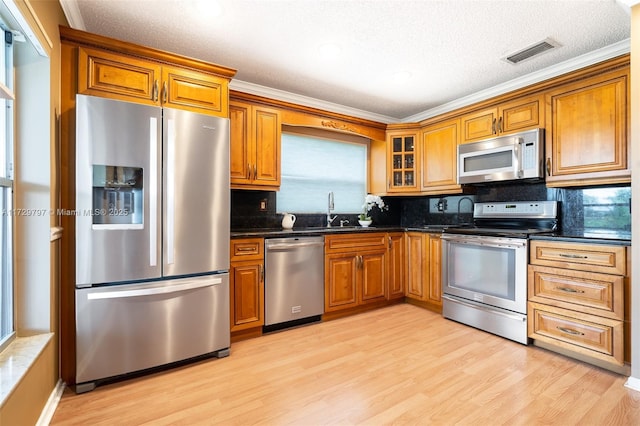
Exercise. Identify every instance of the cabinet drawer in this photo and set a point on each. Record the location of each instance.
(593, 257)
(195, 91)
(247, 249)
(340, 243)
(590, 335)
(588, 292)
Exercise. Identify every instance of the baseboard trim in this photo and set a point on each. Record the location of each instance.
(52, 404)
(633, 383)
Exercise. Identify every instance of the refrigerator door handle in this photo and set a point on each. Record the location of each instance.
(153, 191)
(171, 142)
(150, 291)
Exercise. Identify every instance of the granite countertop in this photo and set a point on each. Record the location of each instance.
(320, 230)
(584, 236)
(588, 236)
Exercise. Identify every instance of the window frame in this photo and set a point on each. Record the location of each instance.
(7, 180)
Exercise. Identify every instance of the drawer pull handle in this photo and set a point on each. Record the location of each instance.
(570, 331)
(245, 248)
(569, 290)
(573, 256)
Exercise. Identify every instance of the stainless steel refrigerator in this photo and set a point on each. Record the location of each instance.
(152, 237)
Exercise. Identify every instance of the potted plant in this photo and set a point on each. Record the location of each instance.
(370, 201)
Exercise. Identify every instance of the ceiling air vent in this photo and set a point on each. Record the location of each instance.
(530, 51)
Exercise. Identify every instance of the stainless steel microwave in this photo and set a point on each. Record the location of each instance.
(512, 157)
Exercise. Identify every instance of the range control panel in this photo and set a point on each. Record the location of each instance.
(516, 209)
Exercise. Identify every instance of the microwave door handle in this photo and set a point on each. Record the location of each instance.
(518, 154)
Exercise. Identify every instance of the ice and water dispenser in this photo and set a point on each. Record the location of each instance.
(117, 196)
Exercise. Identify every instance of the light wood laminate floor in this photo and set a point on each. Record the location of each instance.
(396, 365)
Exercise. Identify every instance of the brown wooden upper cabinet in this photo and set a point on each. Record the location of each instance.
(439, 163)
(128, 78)
(403, 155)
(509, 117)
(255, 146)
(587, 139)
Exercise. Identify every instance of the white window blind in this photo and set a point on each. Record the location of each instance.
(313, 165)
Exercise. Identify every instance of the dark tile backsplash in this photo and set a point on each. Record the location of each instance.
(605, 208)
(579, 208)
(246, 214)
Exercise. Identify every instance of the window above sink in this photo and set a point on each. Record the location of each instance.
(313, 166)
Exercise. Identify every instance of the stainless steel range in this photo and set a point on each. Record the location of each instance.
(484, 267)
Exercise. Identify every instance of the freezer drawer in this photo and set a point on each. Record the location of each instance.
(127, 328)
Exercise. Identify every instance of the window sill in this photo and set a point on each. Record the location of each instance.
(16, 360)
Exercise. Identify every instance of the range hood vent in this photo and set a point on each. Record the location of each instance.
(530, 51)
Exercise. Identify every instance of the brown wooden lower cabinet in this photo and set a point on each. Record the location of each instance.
(355, 270)
(246, 284)
(396, 265)
(424, 269)
(589, 335)
(578, 300)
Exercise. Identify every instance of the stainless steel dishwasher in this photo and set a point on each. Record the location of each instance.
(294, 282)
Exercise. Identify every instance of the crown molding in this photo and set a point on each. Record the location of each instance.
(281, 95)
(608, 52)
(74, 17)
(614, 50)
(72, 13)
(628, 3)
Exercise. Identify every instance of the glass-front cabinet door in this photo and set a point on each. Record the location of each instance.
(403, 161)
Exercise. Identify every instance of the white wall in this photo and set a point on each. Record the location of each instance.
(634, 380)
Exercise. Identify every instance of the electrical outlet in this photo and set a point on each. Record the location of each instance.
(436, 205)
(263, 205)
(442, 205)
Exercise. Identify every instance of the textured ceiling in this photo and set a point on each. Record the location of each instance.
(450, 49)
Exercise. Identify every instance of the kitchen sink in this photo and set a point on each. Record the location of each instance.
(437, 227)
(332, 229)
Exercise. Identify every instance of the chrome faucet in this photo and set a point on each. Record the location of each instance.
(460, 202)
(344, 222)
(329, 209)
